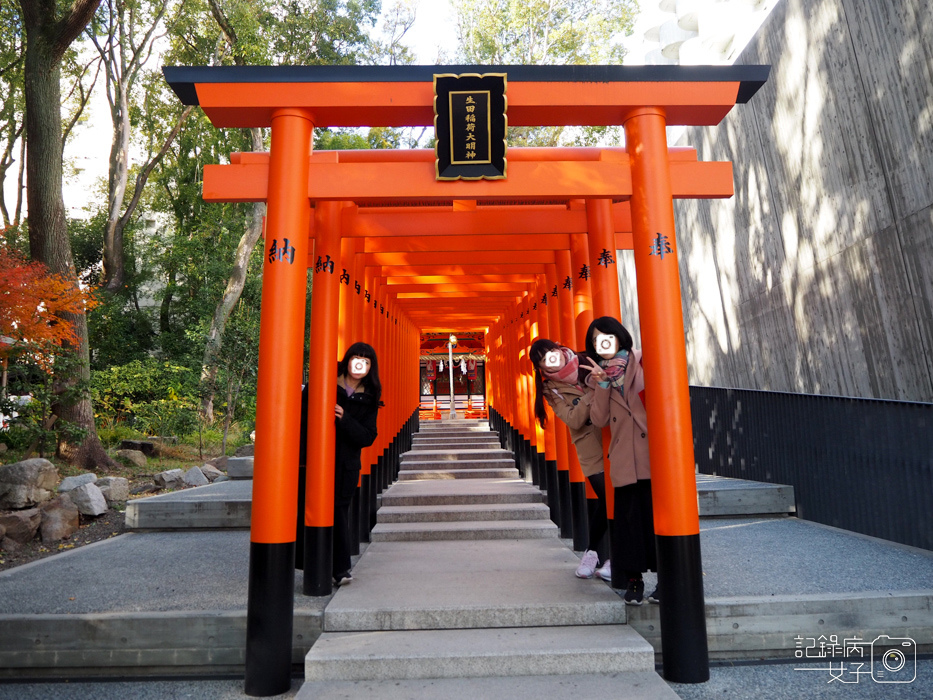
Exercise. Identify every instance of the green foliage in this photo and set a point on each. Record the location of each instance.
(151, 396)
(33, 426)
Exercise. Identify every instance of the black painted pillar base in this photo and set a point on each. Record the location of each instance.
(616, 552)
(319, 555)
(541, 468)
(269, 615)
(685, 653)
(553, 490)
(373, 492)
(355, 523)
(363, 514)
(581, 518)
(566, 517)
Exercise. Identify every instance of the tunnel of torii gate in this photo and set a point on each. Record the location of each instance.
(397, 252)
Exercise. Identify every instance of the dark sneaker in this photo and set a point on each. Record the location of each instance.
(635, 593)
(654, 596)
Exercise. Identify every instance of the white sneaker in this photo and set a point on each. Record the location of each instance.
(588, 565)
(605, 571)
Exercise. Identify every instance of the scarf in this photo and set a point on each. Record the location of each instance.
(567, 374)
(615, 369)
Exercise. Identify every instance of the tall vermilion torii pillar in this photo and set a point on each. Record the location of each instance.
(676, 515)
(269, 611)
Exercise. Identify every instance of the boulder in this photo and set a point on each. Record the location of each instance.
(10, 546)
(22, 525)
(144, 446)
(210, 471)
(3, 447)
(195, 477)
(116, 489)
(69, 483)
(245, 451)
(89, 500)
(145, 488)
(219, 462)
(60, 519)
(171, 479)
(26, 484)
(222, 477)
(134, 457)
(2, 531)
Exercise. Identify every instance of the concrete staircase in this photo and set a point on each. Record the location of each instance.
(467, 591)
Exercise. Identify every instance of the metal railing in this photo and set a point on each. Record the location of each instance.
(864, 465)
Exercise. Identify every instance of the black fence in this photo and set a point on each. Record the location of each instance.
(864, 465)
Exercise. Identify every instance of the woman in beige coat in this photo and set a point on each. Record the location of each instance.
(618, 383)
(558, 381)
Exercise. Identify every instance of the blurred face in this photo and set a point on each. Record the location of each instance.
(606, 345)
(358, 367)
(553, 360)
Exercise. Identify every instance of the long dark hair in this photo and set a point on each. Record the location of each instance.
(611, 326)
(536, 353)
(371, 383)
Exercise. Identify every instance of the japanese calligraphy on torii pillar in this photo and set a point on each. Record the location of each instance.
(469, 126)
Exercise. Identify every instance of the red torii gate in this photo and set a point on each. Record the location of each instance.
(293, 100)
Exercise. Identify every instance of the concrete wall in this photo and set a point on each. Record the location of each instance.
(817, 277)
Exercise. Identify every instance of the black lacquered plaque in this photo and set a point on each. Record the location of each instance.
(469, 126)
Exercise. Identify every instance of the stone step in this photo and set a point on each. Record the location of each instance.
(462, 653)
(457, 492)
(458, 473)
(634, 685)
(465, 442)
(455, 464)
(227, 504)
(460, 455)
(447, 584)
(469, 512)
(464, 530)
(720, 496)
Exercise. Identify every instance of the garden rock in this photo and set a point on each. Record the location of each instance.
(26, 484)
(60, 519)
(21, 526)
(133, 457)
(144, 446)
(70, 483)
(89, 500)
(211, 472)
(116, 489)
(219, 462)
(245, 451)
(171, 479)
(3, 447)
(10, 545)
(222, 477)
(195, 477)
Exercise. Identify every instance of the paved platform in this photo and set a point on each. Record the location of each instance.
(173, 601)
(228, 504)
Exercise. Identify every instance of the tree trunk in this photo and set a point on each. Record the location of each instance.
(46, 41)
(114, 260)
(231, 296)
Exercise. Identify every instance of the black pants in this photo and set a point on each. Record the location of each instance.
(634, 525)
(345, 482)
(598, 522)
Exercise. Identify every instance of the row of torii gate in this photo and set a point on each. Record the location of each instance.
(396, 252)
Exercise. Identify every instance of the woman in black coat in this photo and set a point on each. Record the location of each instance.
(358, 400)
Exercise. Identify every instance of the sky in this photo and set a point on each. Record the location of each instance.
(88, 148)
